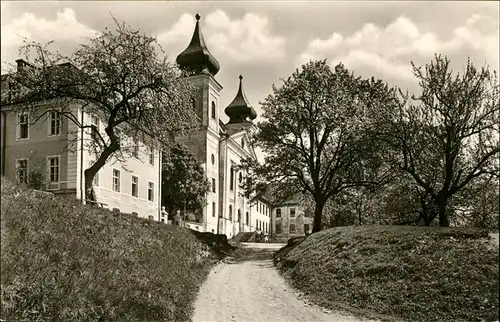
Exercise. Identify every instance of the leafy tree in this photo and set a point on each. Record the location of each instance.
(184, 185)
(447, 137)
(121, 75)
(313, 133)
(477, 204)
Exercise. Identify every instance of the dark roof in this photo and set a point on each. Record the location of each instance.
(240, 109)
(196, 57)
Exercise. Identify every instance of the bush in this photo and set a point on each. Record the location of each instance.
(408, 273)
(64, 261)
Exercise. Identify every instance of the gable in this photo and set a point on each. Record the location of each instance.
(242, 137)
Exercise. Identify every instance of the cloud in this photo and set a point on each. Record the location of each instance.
(181, 31)
(64, 27)
(244, 40)
(65, 30)
(387, 52)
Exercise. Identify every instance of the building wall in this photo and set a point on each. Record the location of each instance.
(67, 146)
(261, 213)
(286, 220)
(37, 147)
(128, 167)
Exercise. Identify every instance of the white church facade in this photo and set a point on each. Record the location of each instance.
(220, 147)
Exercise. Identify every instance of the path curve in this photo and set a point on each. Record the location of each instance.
(254, 291)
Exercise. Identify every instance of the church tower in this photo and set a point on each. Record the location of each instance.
(240, 112)
(201, 67)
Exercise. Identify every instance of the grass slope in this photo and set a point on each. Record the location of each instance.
(408, 273)
(67, 262)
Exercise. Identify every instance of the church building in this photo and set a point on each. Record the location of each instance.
(220, 146)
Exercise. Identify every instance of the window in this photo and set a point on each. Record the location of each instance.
(151, 156)
(213, 109)
(151, 188)
(135, 151)
(242, 142)
(94, 121)
(23, 127)
(230, 213)
(213, 185)
(256, 224)
(239, 215)
(116, 180)
(53, 169)
(240, 177)
(278, 228)
(135, 186)
(231, 181)
(292, 229)
(213, 209)
(278, 213)
(54, 123)
(22, 171)
(213, 159)
(247, 221)
(292, 212)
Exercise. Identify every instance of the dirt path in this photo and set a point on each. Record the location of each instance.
(251, 289)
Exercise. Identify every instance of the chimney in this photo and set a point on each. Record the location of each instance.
(20, 64)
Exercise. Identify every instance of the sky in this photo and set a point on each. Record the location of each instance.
(266, 41)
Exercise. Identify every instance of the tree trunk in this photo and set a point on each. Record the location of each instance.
(318, 213)
(443, 214)
(89, 187)
(90, 173)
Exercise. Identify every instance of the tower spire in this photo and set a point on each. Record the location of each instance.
(196, 57)
(240, 109)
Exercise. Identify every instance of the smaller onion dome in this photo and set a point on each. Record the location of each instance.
(240, 109)
(196, 57)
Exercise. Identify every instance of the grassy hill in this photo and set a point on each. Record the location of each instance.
(407, 273)
(64, 261)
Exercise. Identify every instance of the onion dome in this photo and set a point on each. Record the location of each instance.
(196, 57)
(239, 109)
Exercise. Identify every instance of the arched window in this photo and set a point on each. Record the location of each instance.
(213, 109)
(213, 159)
(247, 219)
(230, 213)
(239, 215)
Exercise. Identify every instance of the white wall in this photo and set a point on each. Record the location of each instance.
(139, 167)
